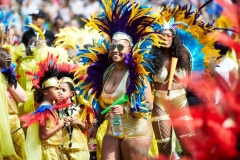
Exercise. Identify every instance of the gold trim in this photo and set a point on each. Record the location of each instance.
(66, 79)
(50, 82)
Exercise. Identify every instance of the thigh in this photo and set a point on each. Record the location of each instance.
(110, 148)
(135, 148)
(161, 123)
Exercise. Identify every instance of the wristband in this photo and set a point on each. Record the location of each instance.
(96, 123)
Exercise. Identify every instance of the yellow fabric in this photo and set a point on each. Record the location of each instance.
(133, 127)
(153, 151)
(99, 137)
(74, 155)
(12, 106)
(50, 152)
(177, 99)
(45, 149)
(6, 144)
(33, 143)
(79, 141)
(26, 64)
(18, 139)
(120, 91)
(54, 139)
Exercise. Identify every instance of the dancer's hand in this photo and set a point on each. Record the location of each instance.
(73, 121)
(93, 130)
(117, 110)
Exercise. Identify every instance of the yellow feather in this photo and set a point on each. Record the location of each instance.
(38, 30)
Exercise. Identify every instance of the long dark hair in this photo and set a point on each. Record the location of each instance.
(176, 50)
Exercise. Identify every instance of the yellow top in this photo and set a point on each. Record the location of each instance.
(6, 144)
(12, 106)
(78, 140)
(121, 90)
(56, 138)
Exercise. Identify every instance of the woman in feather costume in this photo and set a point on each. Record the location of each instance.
(190, 46)
(111, 70)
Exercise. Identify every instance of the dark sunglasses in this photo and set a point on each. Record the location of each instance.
(120, 47)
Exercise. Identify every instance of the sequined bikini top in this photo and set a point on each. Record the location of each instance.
(161, 75)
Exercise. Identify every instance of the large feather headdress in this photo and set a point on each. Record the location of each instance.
(133, 22)
(192, 30)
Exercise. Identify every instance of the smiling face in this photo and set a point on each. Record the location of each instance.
(169, 37)
(118, 49)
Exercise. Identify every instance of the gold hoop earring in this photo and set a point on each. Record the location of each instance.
(110, 59)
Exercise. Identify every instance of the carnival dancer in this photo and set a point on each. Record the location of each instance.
(11, 90)
(188, 48)
(112, 70)
(15, 92)
(44, 127)
(79, 116)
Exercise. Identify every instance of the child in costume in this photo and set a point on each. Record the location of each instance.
(77, 115)
(37, 50)
(116, 69)
(44, 132)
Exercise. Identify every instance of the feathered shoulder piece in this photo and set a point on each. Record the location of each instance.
(40, 116)
(44, 112)
(191, 29)
(95, 62)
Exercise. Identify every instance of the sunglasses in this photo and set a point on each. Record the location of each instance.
(120, 47)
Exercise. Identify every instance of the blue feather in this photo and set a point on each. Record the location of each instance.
(194, 47)
(43, 108)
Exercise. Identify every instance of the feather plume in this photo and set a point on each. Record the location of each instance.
(37, 29)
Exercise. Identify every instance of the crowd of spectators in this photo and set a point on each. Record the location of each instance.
(62, 13)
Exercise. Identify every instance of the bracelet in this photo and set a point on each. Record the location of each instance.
(96, 123)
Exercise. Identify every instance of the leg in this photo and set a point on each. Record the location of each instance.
(135, 148)
(183, 126)
(111, 148)
(162, 128)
